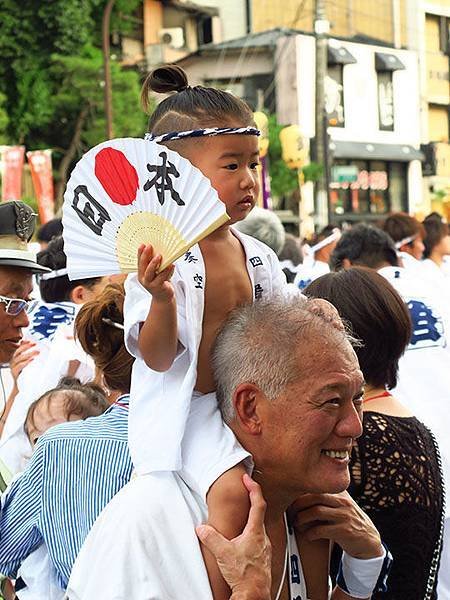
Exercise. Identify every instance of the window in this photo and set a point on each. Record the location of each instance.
(205, 32)
(385, 101)
(334, 96)
(444, 35)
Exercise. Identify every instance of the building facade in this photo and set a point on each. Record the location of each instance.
(429, 35)
(373, 118)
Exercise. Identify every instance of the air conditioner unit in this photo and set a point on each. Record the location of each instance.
(172, 36)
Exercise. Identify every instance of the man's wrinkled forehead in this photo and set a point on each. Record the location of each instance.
(326, 349)
(15, 281)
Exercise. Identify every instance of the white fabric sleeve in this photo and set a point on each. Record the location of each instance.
(136, 308)
(279, 282)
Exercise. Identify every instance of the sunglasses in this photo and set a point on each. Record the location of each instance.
(14, 306)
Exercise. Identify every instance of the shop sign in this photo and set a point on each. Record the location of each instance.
(367, 180)
(346, 173)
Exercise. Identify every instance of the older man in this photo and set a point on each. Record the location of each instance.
(290, 388)
(17, 264)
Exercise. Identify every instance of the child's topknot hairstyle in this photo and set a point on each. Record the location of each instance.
(190, 107)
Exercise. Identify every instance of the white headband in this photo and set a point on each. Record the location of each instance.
(331, 238)
(55, 274)
(406, 240)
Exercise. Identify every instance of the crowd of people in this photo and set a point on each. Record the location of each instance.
(277, 431)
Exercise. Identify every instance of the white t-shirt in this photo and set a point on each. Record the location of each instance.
(308, 271)
(160, 402)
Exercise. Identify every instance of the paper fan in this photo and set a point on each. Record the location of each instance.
(126, 192)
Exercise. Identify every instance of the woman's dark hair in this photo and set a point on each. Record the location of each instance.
(49, 230)
(59, 288)
(98, 328)
(190, 107)
(435, 231)
(84, 400)
(401, 225)
(377, 316)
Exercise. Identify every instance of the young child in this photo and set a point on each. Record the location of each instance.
(171, 317)
(70, 400)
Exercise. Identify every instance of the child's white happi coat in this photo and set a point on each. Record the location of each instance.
(160, 402)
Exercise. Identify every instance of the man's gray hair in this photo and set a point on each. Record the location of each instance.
(265, 226)
(259, 344)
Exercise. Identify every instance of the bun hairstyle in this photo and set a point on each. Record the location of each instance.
(97, 331)
(190, 107)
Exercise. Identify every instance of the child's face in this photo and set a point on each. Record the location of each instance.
(230, 163)
(47, 414)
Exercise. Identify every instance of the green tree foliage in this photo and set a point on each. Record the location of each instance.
(51, 77)
(283, 181)
(79, 106)
(4, 119)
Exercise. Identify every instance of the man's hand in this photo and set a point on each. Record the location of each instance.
(22, 357)
(245, 561)
(337, 517)
(158, 284)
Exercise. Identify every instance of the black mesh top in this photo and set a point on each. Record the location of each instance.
(397, 481)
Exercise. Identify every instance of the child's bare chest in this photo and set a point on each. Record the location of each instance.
(225, 290)
(227, 285)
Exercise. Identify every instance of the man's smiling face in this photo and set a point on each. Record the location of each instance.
(316, 419)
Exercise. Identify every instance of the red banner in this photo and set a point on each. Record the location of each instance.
(40, 162)
(12, 166)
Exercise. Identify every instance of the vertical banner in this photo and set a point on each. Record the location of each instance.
(12, 167)
(40, 162)
(262, 123)
(265, 183)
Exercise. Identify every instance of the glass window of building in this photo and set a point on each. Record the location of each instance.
(380, 188)
(334, 95)
(385, 101)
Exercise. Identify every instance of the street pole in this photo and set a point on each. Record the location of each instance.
(106, 68)
(321, 29)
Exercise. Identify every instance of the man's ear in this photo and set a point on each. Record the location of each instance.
(346, 263)
(78, 294)
(248, 403)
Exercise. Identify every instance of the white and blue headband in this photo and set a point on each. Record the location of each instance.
(211, 131)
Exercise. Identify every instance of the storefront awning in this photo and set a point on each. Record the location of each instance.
(387, 62)
(340, 56)
(360, 150)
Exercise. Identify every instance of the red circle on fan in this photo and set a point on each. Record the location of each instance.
(117, 175)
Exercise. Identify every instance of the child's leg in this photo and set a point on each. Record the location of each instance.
(228, 506)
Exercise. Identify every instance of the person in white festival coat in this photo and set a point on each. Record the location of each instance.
(290, 389)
